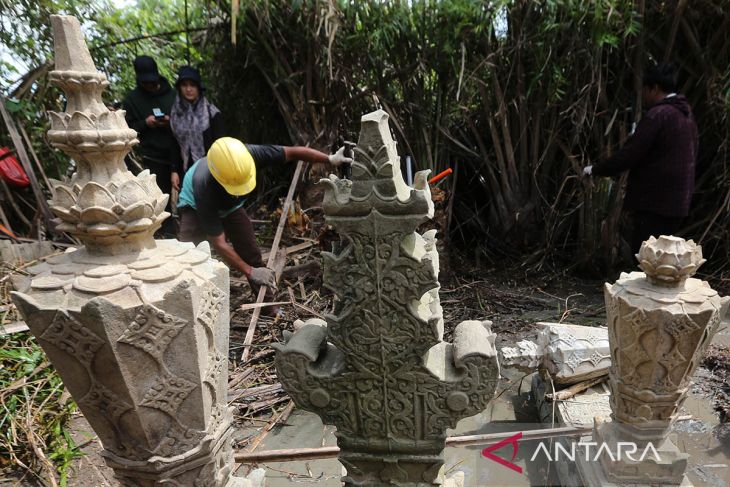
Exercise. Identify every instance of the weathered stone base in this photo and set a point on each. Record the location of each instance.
(380, 469)
(209, 464)
(669, 470)
(592, 475)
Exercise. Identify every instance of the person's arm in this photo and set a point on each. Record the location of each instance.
(634, 151)
(307, 154)
(263, 276)
(229, 254)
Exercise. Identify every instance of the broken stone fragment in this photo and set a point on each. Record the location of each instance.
(569, 353)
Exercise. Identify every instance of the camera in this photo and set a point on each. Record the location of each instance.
(159, 114)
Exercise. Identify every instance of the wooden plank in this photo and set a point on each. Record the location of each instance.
(25, 161)
(272, 255)
(16, 327)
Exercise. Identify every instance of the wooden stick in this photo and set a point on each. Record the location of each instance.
(293, 249)
(5, 221)
(270, 425)
(272, 255)
(575, 389)
(240, 377)
(25, 161)
(248, 306)
(11, 200)
(298, 454)
(35, 158)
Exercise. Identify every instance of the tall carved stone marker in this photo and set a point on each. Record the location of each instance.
(378, 369)
(137, 328)
(660, 322)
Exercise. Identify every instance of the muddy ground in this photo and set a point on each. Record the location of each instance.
(513, 298)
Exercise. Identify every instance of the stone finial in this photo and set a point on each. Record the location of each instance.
(669, 261)
(659, 326)
(110, 210)
(378, 368)
(137, 329)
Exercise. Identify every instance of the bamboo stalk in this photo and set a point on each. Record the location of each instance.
(299, 454)
(11, 200)
(272, 256)
(35, 158)
(25, 161)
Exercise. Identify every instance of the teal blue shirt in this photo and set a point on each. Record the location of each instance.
(187, 196)
(209, 199)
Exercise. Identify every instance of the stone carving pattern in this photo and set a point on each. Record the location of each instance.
(73, 338)
(152, 330)
(167, 393)
(367, 369)
(115, 214)
(659, 325)
(384, 381)
(210, 307)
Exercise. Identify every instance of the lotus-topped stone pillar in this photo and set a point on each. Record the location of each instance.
(378, 368)
(137, 328)
(660, 322)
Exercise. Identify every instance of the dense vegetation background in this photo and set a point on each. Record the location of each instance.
(517, 96)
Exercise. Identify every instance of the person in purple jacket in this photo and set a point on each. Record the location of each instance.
(660, 157)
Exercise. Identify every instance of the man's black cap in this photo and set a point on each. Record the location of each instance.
(189, 72)
(146, 69)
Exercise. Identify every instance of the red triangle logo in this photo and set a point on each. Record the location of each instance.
(512, 440)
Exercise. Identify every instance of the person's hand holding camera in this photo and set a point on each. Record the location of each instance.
(151, 121)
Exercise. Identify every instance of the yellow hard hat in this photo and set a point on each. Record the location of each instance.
(232, 166)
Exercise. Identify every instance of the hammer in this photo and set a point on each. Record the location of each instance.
(347, 168)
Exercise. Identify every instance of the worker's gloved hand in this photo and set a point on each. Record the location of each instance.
(588, 170)
(263, 276)
(339, 157)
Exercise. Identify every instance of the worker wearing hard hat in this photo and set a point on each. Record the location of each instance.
(212, 197)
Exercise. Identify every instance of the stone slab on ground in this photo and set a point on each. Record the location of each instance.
(570, 353)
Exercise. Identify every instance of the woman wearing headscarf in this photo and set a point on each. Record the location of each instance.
(195, 122)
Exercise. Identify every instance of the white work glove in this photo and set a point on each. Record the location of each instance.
(588, 170)
(263, 276)
(339, 158)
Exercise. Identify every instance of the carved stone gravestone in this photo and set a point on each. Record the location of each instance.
(660, 322)
(137, 328)
(378, 368)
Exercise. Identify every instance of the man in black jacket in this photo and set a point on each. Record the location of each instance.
(148, 112)
(660, 157)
